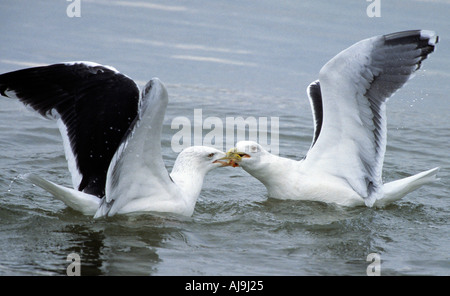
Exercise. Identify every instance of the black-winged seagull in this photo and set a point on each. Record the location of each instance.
(112, 140)
(345, 160)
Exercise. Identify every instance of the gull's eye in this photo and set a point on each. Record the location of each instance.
(211, 155)
(254, 148)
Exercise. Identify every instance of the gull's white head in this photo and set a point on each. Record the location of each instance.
(200, 158)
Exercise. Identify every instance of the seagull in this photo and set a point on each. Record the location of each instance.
(344, 163)
(112, 140)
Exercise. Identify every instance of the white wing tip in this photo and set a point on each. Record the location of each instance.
(430, 35)
(10, 94)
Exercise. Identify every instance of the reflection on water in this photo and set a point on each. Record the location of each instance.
(119, 245)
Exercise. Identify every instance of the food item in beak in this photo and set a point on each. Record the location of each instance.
(233, 157)
(226, 162)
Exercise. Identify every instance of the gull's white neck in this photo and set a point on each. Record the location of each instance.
(189, 178)
(272, 170)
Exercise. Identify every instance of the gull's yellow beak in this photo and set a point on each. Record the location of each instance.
(233, 158)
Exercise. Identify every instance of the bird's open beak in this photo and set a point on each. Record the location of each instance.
(232, 158)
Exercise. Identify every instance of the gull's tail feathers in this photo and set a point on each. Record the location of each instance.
(395, 190)
(85, 203)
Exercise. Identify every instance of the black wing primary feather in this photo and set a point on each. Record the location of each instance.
(315, 99)
(95, 103)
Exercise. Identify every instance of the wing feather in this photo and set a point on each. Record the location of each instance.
(94, 105)
(315, 99)
(137, 170)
